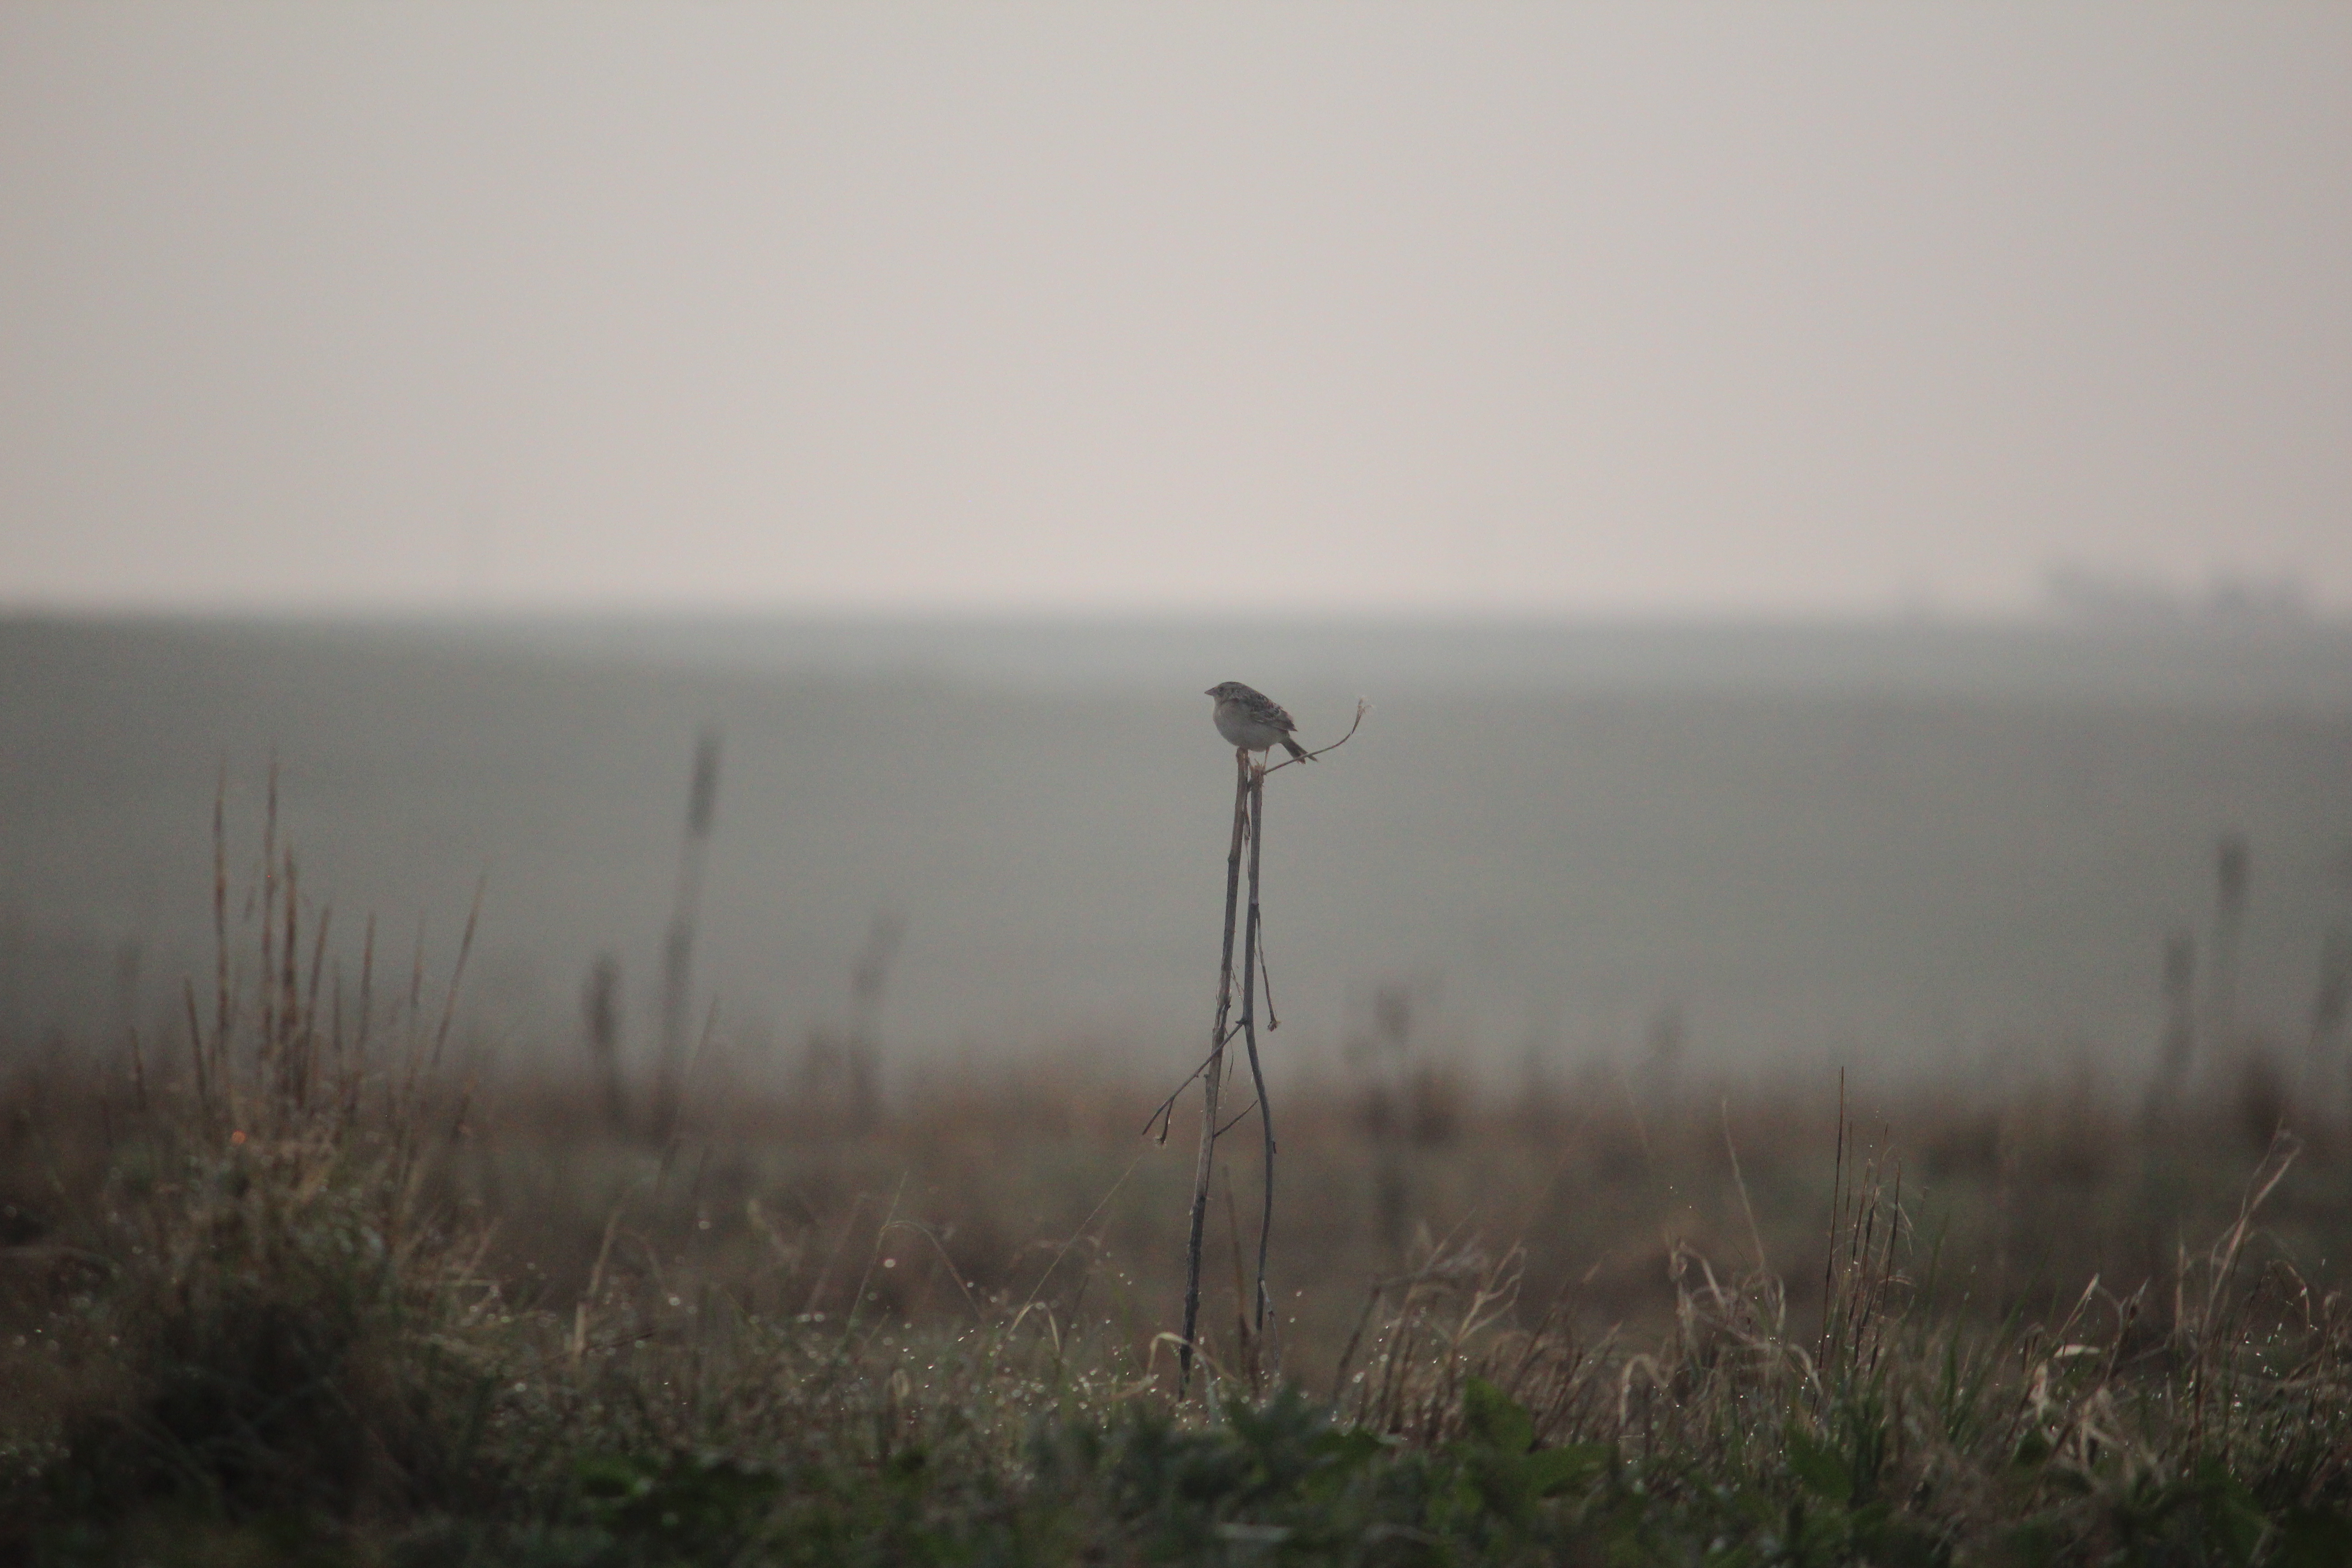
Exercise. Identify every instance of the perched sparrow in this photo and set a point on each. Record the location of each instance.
(1251, 720)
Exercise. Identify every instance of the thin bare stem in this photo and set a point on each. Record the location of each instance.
(1249, 1034)
(310, 1006)
(223, 1005)
(1362, 708)
(197, 1048)
(1165, 1112)
(677, 952)
(457, 973)
(954, 1273)
(865, 1280)
(1755, 1234)
(1075, 1237)
(1213, 1077)
(1829, 1264)
(267, 1046)
(1265, 978)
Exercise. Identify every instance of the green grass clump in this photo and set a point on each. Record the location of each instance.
(254, 1306)
(274, 1342)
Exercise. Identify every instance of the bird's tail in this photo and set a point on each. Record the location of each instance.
(1292, 747)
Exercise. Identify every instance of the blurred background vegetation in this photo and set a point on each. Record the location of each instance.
(562, 1230)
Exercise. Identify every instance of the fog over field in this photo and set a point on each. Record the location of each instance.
(1892, 847)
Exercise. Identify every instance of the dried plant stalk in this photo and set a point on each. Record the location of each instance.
(1212, 1076)
(1249, 1035)
(677, 952)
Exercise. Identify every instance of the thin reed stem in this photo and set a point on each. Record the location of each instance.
(1249, 1033)
(677, 950)
(224, 1006)
(1213, 1078)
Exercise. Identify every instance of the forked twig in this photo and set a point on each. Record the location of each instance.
(1166, 1110)
(1265, 977)
(1362, 708)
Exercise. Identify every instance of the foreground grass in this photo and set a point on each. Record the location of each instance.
(293, 1305)
(274, 1342)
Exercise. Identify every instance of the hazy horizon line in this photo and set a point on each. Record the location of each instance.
(2185, 618)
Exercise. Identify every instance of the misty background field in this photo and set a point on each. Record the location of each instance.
(1902, 850)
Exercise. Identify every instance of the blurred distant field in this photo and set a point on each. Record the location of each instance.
(1894, 849)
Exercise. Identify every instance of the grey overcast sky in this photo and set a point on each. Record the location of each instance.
(1616, 309)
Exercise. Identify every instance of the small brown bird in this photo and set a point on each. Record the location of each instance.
(1249, 719)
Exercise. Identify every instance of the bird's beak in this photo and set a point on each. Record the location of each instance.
(1211, 691)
